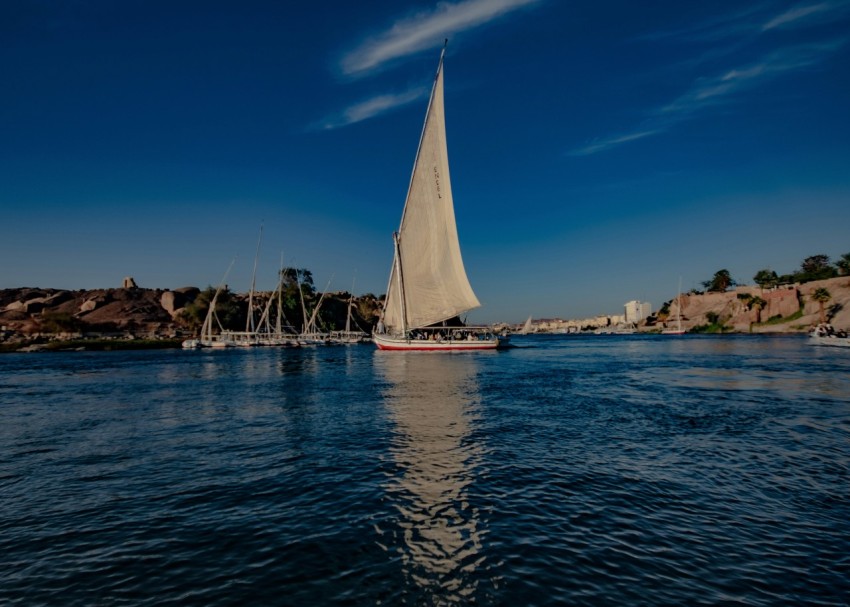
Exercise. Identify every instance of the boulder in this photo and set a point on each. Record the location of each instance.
(172, 302)
(34, 306)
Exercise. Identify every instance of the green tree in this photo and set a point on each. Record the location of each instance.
(815, 267)
(721, 281)
(766, 279)
(293, 276)
(821, 296)
(227, 310)
(843, 264)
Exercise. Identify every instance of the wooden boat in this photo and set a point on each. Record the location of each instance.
(428, 288)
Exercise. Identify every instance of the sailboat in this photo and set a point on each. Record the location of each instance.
(311, 334)
(526, 328)
(678, 330)
(428, 288)
(207, 338)
(349, 336)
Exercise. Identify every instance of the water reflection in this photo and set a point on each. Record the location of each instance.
(433, 404)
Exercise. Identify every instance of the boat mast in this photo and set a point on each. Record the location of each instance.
(679, 307)
(312, 323)
(278, 327)
(400, 281)
(207, 326)
(249, 322)
(301, 297)
(350, 304)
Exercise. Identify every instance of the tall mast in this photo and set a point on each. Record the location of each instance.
(350, 303)
(679, 307)
(303, 307)
(278, 327)
(207, 326)
(400, 281)
(249, 323)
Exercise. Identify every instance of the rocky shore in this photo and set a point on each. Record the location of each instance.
(745, 309)
(30, 318)
(39, 318)
(33, 317)
(786, 309)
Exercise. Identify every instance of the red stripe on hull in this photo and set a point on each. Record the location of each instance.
(430, 346)
(437, 349)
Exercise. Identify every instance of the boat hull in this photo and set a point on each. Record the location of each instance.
(387, 342)
(830, 340)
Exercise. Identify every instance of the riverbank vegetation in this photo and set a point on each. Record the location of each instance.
(814, 267)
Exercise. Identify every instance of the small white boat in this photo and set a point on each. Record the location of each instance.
(826, 335)
(207, 338)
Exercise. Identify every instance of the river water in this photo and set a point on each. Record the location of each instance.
(569, 470)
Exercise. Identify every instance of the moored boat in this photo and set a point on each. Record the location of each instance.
(826, 335)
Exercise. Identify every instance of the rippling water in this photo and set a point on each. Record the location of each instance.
(602, 470)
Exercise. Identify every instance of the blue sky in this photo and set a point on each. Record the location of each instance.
(599, 151)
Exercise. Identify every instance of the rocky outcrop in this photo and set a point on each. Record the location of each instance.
(788, 308)
(140, 311)
(174, 301)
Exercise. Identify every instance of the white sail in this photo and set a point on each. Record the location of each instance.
(428, 282)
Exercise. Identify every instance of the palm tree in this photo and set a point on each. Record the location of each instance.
(821, 295)
(758, 303)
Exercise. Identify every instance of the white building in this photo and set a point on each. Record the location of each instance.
(636, 311)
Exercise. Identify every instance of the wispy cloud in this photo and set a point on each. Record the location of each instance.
(715, 28)
(425, 30)
(604, 144)
(751, 21)
(713, 91)
(369, 109)
(705, 92)
(793, 16)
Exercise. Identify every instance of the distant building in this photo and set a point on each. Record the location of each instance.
(637, 311)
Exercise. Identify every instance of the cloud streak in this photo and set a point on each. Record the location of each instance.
(707, 92)
(423, 31)
(369, 108)
(604, 144)
(794, 15)
(712, 91)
